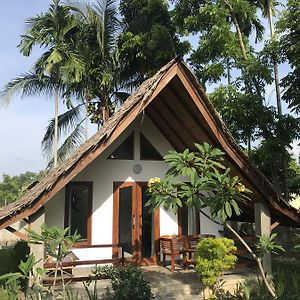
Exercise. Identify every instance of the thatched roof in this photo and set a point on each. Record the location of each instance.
(139, 101)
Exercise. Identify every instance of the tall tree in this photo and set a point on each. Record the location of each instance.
(54, 31)
(288, 26)
(268, 10)
(224, 50)
(12, 187)
(98, 91)
(59, 64)
(149, 39)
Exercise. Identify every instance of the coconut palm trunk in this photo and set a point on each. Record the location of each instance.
(269, 13)
(55, 141)
(86, 131)
(275, 65)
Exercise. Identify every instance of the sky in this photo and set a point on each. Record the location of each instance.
(23, 122)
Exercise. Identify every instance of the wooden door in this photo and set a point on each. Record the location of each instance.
(135, 228)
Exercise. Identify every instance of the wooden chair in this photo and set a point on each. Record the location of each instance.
(191, 245)
(171, 245)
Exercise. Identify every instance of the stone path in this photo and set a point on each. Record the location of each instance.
(185, 284)
(178, 285)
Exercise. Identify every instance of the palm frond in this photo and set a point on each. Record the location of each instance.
(28, 84)
(73, 141)
(108, 24)
(66, 123)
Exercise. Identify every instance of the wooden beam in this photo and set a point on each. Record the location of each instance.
(188, 126)
(17, 233)
(167, 131)
(178, 125)
(83, 262)
(274, 225)
(186, 113)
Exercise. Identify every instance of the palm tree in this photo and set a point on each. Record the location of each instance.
(268, 10)
(98, 89)
(99, 34)
(59, 64)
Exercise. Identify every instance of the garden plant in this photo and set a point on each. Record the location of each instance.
(199, 179)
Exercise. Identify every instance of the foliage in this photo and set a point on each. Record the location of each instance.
(227, 60)
(10, 291)
(10, 257)
(246, 229)
(126, 283)
(12, 187)
(57, 241)
(288, 289)
(208, 183)
(200, 180)
(288, 26)
(149, 39)
(58, 245)
(267, 244)
(213, 257)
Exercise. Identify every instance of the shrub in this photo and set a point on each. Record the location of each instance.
(127, 283)
(11, 256)
(213, 257)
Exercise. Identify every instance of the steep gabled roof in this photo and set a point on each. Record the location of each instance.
(183, 124)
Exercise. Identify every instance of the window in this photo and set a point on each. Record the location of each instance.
(125, 150)
(78, 209)
(147, 150)
(188, 220)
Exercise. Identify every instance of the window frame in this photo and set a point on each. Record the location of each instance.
(90, 210)
(131, 135)
(140, 145)
(197, 221)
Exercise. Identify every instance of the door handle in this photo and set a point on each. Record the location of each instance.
(133, 221)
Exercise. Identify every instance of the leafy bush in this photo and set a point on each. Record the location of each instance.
(213, 257)
(286, 290)
(127, 283)
(10, 257)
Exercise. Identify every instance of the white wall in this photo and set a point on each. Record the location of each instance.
(103, 172)
(8, 238)
(207, 226)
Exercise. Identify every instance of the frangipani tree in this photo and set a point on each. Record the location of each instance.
(199, 179)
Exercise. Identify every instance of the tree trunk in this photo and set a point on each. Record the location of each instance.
(278, 99)
(228, 71)
(249, 146)
(285, 177)
(241, 43)
(275, 65)
(104, 114)
(239, 34)
(268, 285)
(86, 119)
(55, 141)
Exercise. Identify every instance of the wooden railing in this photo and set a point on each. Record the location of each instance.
(244, 259)
(69, 264)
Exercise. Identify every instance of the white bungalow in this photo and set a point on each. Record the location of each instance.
(101, 190)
